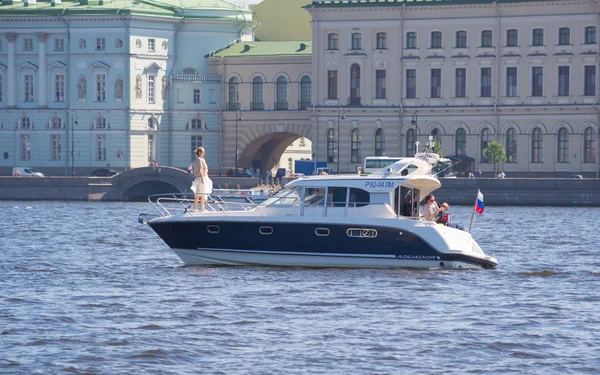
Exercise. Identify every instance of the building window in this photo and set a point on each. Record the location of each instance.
(257, 94)
(486, 82)
(411, 83)
(25, 147)
(151, 87)
(55, 146)
(589, 145)
(101, 147)
(564, 36)
(381, 40)
(590, 81)
(563, 145)
(151, 45)
(435, 135)
(100, 123)
(436, 83)
(151, 149)
(511, 146)
(196, 96)
(512, 38)
(511, 81)
(152, 123)
(59, 44)
(119, 43)
(332, 80)
(537, 145)
(563, 81)
(305, 92)
(538, 37)
(461, 39)
(25, 123)
(100, 87)
(486, 38)
(590, 35)
(355, 146)
(59, 88)
(281, 93)
(379, 142)
(28, 88)
(460, 83)
(234, 94)
(355, 84)
(332, 41)
(461, 142)
(436, 39)
(100, 44)
(485, 141)
(380, 84)
(55, 123)
(27, 44)
(537, 81)
(196, 123)
(411, 40)
(356, 41)
(410, 143)
(332, 146)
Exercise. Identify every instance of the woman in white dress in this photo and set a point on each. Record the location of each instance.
(202, 185)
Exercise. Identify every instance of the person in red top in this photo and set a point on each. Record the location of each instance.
(443, 217)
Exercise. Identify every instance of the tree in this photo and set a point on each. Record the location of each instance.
(437, 148)
(494, 153)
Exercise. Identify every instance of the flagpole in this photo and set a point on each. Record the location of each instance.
(473, 213)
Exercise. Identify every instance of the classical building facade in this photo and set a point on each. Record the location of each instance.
(523, 73)
(124, 83)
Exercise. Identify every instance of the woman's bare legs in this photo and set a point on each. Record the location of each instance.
(202, 202)
(196, 197)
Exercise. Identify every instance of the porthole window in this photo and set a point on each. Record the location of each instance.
(265, 230)
(322, 232)
(361, 232)
(213, 229)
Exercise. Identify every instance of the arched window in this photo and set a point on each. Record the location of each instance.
(25, 123)
(435, 133)
(379, 142)
(355, 84)
(196, 123)
(436, 39)
(257, 94)
(537, 38)
(512, 38)
(564, 36)
(234, 94)
(486, 38)
(411, 40)
(537, 144)
(589, 145)
(332, 146)
(485, 141)
(590, 35)
(189, 71)
(355, 146)
(55, 123)
(461, 39)
(410, 143)
(461, 142)
(511, 146)
(153, 123)
(281, 93)
(356, 41)
(100, 123)
(563, 145)
(305, 93)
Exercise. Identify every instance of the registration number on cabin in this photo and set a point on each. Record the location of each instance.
(379, 184)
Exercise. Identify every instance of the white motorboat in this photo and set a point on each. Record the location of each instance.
(323, 221)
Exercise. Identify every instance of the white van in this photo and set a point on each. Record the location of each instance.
(26, 172)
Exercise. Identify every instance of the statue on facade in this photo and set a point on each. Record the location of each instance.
(119, 88)
(164, 88)
(82, 86)
(138, 87)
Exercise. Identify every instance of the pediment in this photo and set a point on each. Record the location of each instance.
(154, 67)
(28, 65)
(58, 65)
(99, 65)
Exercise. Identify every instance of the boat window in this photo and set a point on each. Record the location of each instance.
(314, 196)
(286, 197)
(212, 229)
(410, 205)
(408, 170)
(337, 196)
(265, 230)
(359, 197)
(322, 232)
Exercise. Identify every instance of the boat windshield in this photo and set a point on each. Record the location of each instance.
(286, 197)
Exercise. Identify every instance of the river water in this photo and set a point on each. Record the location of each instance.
(86, 289)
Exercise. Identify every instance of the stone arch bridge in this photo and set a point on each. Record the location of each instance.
(136, 184)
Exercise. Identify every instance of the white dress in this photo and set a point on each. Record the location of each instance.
(202, 188)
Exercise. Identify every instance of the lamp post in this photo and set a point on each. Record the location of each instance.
(238, 116)
(343, 117)
(76, 122)
(414, 123)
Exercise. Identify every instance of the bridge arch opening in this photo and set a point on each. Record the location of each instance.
(266, 152)
(140, 191)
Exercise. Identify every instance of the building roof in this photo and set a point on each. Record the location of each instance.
(379, 3)
(266, 48)
(174, 8)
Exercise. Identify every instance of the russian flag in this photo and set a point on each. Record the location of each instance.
(479, 204)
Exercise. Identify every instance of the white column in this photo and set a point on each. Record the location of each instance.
(42, 78)
(12, 70)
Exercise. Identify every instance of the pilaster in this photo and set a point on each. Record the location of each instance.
(12, 70)
(42, 77)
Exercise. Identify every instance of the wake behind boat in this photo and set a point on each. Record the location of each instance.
(323, 221)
